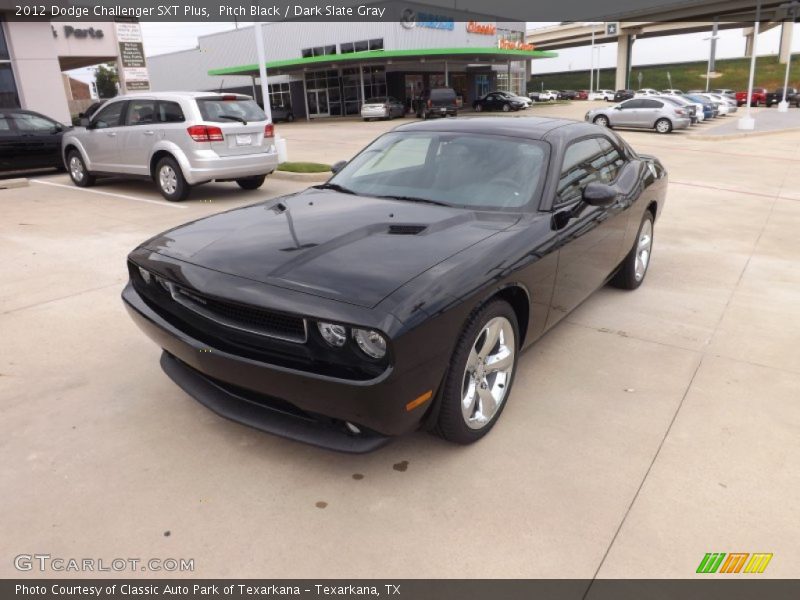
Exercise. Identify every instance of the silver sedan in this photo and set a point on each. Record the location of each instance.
(645, 113)
(382, 107)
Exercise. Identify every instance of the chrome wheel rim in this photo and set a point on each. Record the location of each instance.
(643, 249)
(168, 179)
(488, 373)
(76, 168)
(602, 121)
(506, 108)
(663, 127)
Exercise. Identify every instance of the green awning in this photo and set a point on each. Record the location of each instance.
(476, 54)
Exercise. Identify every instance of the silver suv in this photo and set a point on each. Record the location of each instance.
(177, 139)
(649, 113)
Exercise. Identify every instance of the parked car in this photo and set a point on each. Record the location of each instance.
(758, 98)
(382, 107)
(645, 92)
(543, 96)
(438, 101)
(373, 327)
(792, 96)
(695, 110)
(646, 113)
(568, 94)
(725, 92)
(622, 95)
(495, 101)
(29, 140)
(607, 95)
(177, 139)
(706, 108)
(582, 95)
(282, 113)
(526, 102)
(672, 92)
(727, 104)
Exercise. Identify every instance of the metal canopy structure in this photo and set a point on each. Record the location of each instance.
(486, 55)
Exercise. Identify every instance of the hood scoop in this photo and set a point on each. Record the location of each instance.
(406, 229)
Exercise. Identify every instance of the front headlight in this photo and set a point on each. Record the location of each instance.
(145, 275)
(335, 335)
(371, 342)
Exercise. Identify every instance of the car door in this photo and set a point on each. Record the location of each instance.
(647, 115)
(590, 238)
(12, 156)
(137, 137)
(624, 115)
(101, 140)
(40, 139)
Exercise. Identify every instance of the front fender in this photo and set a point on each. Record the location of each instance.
(75, 141)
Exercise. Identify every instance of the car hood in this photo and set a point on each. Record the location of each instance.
(355, 249)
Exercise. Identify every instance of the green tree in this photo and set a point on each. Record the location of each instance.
(106, 80)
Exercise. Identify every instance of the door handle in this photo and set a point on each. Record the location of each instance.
(149, 132)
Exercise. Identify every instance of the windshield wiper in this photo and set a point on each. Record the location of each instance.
(232, 118)
(416, 199)
(335, 187)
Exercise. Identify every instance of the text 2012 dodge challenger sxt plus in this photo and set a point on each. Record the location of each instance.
(399, 294)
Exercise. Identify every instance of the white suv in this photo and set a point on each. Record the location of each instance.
(177, 139)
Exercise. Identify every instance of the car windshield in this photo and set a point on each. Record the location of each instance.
(225, 110)
(452, 168)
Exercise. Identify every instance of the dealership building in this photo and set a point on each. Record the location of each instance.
(35, 54)
(328, 69)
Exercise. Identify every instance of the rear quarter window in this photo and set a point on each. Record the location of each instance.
(225, 111)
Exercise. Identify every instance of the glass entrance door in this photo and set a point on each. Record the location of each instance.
(318, 103)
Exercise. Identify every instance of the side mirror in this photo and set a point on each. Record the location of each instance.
(84, 122)
(338, 166)
(58, 128)
(599, 194)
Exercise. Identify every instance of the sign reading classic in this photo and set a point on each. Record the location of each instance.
(481, 28)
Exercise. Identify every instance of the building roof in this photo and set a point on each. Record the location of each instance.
(469, 54)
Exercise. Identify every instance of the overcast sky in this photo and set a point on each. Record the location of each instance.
(160, 38)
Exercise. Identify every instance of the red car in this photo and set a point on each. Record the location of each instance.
(758, 98)
(582, 95)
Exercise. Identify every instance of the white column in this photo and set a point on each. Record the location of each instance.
(748, 122)
(622, 62)
(446, 75)
(783, 106)
(361, 75)
(591, 68)
(305, 97)
(262, 70)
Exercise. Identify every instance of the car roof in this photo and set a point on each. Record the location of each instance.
(533, 128)
(176, 94)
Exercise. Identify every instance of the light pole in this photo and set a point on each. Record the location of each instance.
(262, 70)
(748, 122)
(712, 39)
(593, 25)
(783, 106)
(599, 49)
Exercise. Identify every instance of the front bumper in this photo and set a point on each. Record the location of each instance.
(207, 165)
(683, 123)
(247, 390)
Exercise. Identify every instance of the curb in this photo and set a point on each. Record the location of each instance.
(741, 134)
(7, 184)
(308, 177)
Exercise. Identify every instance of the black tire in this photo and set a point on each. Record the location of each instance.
(626, 278)
(667, 129)
(601, 120)
(506, 108)
(289, 118)
(173, 186)
(77, 170)
(251, 183)
(478, 108)
(451, 423)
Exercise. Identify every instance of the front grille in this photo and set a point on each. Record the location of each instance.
(239, 316)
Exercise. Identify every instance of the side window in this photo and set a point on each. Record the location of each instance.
(612, 160)
(632, 104)
(33, 123)
(170, 112)
(4, 124)
(109, 116)
(582, 165)
(652, 104)
(141, 112)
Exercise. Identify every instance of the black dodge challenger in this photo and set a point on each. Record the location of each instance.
(399, 294)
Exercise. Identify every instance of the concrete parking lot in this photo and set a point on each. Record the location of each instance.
(647, 429)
